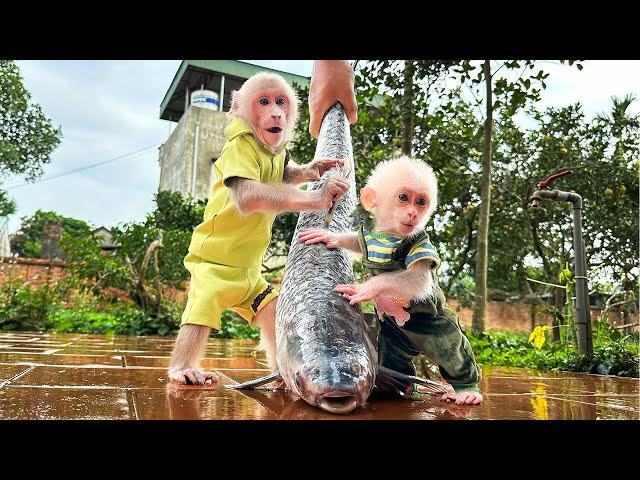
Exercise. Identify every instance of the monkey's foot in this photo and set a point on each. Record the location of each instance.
(192, 376)
(463, 398)
(394, 307)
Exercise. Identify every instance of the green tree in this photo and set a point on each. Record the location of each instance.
(176, 216)
(27, 242)
(27, 136)
(601, 153)
(7, 206)
(149, 254)
(497, 93)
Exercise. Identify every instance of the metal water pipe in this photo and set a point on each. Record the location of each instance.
(582, 319)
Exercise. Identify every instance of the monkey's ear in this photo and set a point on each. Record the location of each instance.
(368, 198)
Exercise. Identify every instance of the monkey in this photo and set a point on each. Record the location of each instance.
(400, 264)
(255, 180)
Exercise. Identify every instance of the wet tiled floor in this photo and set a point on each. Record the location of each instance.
(74, 376)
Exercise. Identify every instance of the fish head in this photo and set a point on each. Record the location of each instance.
(335, 381)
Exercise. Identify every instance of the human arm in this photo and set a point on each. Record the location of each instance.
(331, 81)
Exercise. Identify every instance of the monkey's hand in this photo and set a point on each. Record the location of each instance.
(463, 398)
(331, 191)
(357, 293)
(394, 307)
(309, 236)
(316, 168)
(331, 81)
(192, 376)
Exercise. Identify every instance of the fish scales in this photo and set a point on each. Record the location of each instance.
(323, 351)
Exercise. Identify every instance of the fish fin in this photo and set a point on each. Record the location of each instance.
(252, 384)
(431, 387)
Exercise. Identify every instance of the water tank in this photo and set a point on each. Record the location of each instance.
(205, 99)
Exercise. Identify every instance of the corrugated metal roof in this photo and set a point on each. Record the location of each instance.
(230, 68)
(246, 70)
(234, 68)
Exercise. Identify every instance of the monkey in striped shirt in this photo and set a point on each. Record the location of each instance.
(400, 263)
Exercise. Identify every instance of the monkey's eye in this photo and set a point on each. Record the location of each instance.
(422, 202)
(280, 101)
(264, 101)
(403, 197)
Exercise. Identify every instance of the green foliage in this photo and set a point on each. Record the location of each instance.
(93, 271)
(448, 134)
(176, 215)
(599, 152)
(90, 270)
(56, 308)
(26, 307)
(7, 206)
(124, 321)
(27, 137)
(610, 356)
(234, 326)
(32, 228)
(463, 290)
(174, 211)
(81, 320)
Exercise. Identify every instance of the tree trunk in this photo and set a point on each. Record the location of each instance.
(149, 302)
(407, 107)
(480, 304)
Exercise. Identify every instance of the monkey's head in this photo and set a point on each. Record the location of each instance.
(402, 195)
(267, 103)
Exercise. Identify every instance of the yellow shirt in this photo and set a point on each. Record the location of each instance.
(226, 236)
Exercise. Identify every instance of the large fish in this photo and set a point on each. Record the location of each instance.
(324, 351)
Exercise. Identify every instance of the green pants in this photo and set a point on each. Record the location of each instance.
(439, 337)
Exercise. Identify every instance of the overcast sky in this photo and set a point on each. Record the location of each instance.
(108, 109)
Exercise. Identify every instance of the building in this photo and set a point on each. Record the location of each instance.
(104, 236)
(186, 158)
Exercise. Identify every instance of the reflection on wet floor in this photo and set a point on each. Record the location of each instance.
(74, 376)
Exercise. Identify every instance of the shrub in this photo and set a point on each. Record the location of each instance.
(26, 307)
(613, 356)
(233, 325)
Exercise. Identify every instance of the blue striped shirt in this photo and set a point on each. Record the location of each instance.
(381, 247)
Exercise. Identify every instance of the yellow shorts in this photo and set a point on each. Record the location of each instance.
(215, 287)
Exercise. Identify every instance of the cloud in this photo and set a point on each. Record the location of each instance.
(106, 109)
(594, 86)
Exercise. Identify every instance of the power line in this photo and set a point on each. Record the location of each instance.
(12, 187)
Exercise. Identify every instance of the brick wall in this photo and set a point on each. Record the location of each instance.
(516, 317)
(35, 271)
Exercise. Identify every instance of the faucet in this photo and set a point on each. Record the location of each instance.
(583, 319)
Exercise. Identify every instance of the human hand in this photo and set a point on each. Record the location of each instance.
(331, 81)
